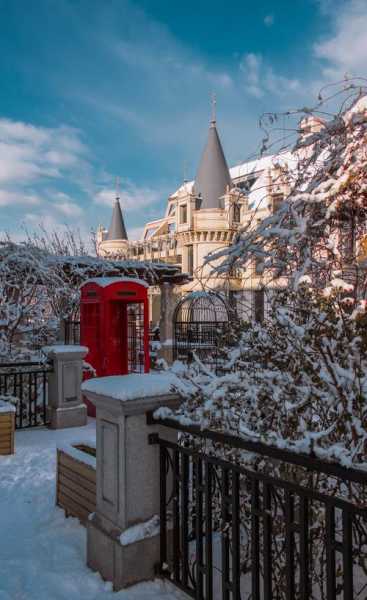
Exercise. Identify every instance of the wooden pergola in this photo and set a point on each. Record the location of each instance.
(85, 267)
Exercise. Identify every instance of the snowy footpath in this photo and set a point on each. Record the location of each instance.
(43, 554)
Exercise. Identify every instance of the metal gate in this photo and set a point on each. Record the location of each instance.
(25, 384)
(232, 533)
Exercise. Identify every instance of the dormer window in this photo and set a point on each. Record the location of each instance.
(183, 214)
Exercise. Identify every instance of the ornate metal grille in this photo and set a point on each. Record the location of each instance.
(201, 320)
(135, 334)
(229, 532)
(26, 384)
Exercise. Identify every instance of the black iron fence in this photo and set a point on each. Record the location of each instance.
(25, 384)
(291, 527)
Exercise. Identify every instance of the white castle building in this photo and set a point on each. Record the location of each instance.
(204, 215)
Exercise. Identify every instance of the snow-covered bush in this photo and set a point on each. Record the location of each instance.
(297, 381)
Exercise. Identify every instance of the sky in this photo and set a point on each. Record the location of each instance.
(92, 90)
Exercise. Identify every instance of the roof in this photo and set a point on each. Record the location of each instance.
(258, 168)
(117, 230)
(213, 176)
(106, 281)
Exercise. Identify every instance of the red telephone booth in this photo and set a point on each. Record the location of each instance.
(114, 325)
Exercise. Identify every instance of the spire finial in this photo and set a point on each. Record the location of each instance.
(185, 171)
(117, 183)
(214, 108)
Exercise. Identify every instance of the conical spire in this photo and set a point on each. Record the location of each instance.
(117, 230)
(213, 175)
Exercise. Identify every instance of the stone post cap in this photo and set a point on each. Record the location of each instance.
(65, 352)
(132, 394)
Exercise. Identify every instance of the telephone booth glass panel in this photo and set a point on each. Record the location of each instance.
(135, 337)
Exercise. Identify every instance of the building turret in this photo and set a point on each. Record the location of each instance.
(117, 230)
(213, 179)
(115, 241)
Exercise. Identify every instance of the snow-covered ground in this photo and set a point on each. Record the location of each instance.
(42, 554)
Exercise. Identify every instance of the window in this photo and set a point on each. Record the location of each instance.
(236, 213)
(246, 184)
(171, 227)
(183, 213)
(190, 259)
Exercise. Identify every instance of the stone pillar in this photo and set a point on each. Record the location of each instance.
(65, 405)
(128, 478)
(168, 303)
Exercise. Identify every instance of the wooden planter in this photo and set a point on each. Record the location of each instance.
(76, 481)
(7, 427)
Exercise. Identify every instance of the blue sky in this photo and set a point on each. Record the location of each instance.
(94, 89)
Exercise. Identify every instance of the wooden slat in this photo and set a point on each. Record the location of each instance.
(85, 494)
(63, 490)
(5, 441)
(5, 431)
(83, 469)
(77, 478)
(72, 508)
(6, 418)
(76, 486)
(6, 451)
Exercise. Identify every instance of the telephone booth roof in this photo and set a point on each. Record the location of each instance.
(106, 281)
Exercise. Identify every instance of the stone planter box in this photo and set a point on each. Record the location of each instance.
(7, 427)
(76, 480)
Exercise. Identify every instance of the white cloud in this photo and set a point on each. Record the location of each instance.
(345, 50)
(69, 209)
(269, 20)
(11, 198)
(29, 153)
(261, 79)
(132, 197)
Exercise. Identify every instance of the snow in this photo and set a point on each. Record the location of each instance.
(106, 281)
(6, 407)
(141, 531)
(247, 168)
(79, 455)
(43, 554)
(133, 386)
(64, 349)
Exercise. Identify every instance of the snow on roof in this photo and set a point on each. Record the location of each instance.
(106, 281)
(131, 387)
(247, 168)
